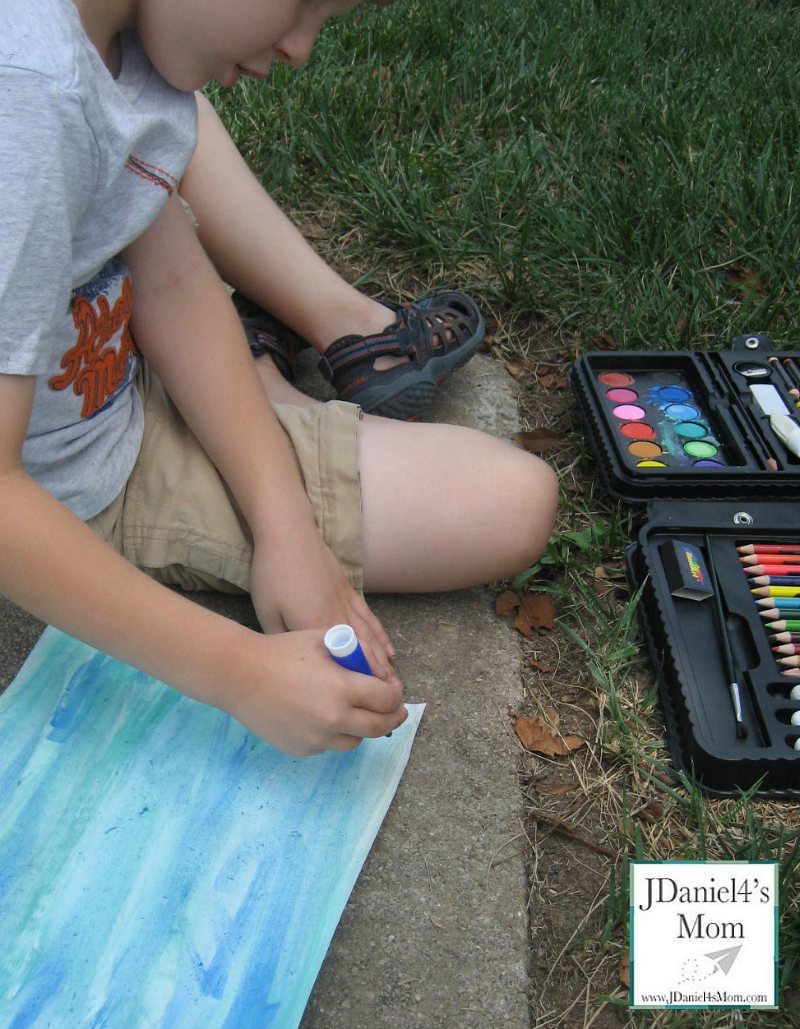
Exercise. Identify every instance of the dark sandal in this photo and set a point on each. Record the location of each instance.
(421, 334)
(268, 335)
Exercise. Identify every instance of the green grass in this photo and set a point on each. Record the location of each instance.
(620, 167)
(581, 167)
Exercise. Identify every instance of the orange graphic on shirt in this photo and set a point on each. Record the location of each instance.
(94, 369)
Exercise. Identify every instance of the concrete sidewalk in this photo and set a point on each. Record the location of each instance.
(435, 932)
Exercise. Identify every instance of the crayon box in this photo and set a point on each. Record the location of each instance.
(691, 437)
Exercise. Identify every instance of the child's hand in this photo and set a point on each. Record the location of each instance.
(303, 586)
(289, 691)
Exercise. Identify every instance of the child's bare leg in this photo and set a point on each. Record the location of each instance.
(446, 507)
(276, 387)
(443, 506)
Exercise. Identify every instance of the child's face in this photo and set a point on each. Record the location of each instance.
(191, 42)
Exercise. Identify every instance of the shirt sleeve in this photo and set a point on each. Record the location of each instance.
(47, 169)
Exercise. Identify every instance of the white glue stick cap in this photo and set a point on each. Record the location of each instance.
(341, 640)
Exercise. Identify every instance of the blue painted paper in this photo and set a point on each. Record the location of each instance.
(160, 866)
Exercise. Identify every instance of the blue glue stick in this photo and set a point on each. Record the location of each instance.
(342, 644)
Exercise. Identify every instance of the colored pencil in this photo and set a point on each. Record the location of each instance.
(779, 612)
(784, 603)
(785, 637)
(769, 548)
(791, 673)
(783, 375)
(785, 624)
(792, 369)
(787, 648)
(789, 662)
(769, 557)
(777, 580)
(734, 689)
(772, 569)
(776, 591)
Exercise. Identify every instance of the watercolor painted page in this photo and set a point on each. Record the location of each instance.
(159, 866)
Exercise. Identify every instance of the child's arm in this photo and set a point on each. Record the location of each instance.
(256, 249)
(284, 688)
(186, 327)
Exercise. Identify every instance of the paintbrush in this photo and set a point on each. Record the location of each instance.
(725, 643)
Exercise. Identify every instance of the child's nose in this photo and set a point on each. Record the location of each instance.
(295, 47)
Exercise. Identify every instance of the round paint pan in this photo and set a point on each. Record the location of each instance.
(622, 396)
(691, 430)
(671, 395)
(650, 464)
(644, 448)
(700, 448)
(629, 412)
(637, 430)
(706, 462)
(615, 379)
(681, 412)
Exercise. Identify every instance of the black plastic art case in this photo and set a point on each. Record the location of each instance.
(690, 435)
(687, 647)
(689, 424)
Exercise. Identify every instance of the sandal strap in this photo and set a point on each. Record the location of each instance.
(420, 333)
(350, 351)
(268, 335)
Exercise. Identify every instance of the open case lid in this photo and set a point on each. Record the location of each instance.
(685, 640)
(685, 424)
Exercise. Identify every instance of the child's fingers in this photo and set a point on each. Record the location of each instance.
(342, 743)
(373, 625)
(377, 699)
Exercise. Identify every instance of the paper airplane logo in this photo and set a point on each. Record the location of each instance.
(723, 959)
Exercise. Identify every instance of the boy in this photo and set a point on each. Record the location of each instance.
(167, 450)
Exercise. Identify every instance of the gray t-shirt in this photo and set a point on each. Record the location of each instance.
(86, 164)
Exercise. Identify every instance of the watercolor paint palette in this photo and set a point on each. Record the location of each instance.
(694, 437)
(670, 424)
(661, 420)
(687, 647)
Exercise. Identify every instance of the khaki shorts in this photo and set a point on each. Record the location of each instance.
(178, 521)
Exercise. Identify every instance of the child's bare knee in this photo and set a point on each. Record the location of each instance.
(544, 490)
(536, 496)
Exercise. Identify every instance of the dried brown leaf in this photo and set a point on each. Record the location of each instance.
(652, 812)
(517, 369)
(605, 341)
(506, 602)
(538, 610)
(537, 441)
(552, 381)
(624, 968)
(522, 625)
(539, 737)
(555, 791)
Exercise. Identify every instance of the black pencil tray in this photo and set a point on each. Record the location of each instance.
(739, 501)
(685, 648)
(737, 426)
